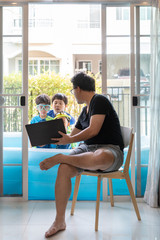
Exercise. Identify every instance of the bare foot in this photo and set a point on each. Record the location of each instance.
(54, 229)
(49, 162)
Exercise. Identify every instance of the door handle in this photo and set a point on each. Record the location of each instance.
(22, 101)
(135, 101)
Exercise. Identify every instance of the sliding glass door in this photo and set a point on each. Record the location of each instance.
(126, 78)
(13, 102)
(110, 42)
(141, 98)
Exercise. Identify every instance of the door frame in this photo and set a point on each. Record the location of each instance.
(24, 6)
(134, 57)
(104, 82)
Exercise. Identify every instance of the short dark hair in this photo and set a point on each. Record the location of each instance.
(43, 98)
(60, 96)
(83, 81)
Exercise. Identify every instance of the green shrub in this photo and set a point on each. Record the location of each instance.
(44, 83)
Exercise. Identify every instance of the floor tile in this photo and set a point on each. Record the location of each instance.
(30, 220)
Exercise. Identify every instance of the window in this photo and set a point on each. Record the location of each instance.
(90, 18)
(41, 18)
(33, 67)
(145, 13)
(122, 13)
(49, 65)
(17, 21)
(38, 66)
(94, 16)
(54, 66)
(19, 65)
(84, 66)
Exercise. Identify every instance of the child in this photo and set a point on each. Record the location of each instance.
(43, 106)
(59, 102)
(64, 101)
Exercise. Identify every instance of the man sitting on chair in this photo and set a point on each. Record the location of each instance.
(98, 126)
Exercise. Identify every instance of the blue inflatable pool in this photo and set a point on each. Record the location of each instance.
(41, 184)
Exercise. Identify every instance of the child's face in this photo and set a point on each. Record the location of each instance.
(58, 105)
(43, 109)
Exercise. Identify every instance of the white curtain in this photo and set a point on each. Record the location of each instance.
(153, 178)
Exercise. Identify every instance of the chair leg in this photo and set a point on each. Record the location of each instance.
(111, 192)
(97, 202)
(76, 188)
(129, 184)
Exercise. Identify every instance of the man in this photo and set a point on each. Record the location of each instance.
(98, 126)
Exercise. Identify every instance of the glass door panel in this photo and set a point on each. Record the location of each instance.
(118, 70)
(118, 67)
(58, 49)
(12, 20)
(12, 77)
(62, 48)
(118, 60)
(12, 151)
(142, 93)
(118, 76)
(11, 111)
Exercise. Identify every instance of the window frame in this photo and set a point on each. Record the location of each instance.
(83, 69)
(39, 66)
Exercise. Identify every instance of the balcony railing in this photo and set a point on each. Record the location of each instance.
(121, 100)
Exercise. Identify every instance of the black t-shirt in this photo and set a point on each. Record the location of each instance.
(110, 132)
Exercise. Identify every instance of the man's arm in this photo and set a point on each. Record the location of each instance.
(96, 123)
(75, 131)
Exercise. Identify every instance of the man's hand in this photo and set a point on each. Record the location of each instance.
(65, 139)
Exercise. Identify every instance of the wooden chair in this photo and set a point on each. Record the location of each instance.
(122, 173)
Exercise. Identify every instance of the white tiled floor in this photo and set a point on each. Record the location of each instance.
(29, 220)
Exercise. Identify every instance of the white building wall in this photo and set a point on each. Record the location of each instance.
(53, 30)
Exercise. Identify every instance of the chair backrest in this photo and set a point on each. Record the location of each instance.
(128, 136)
